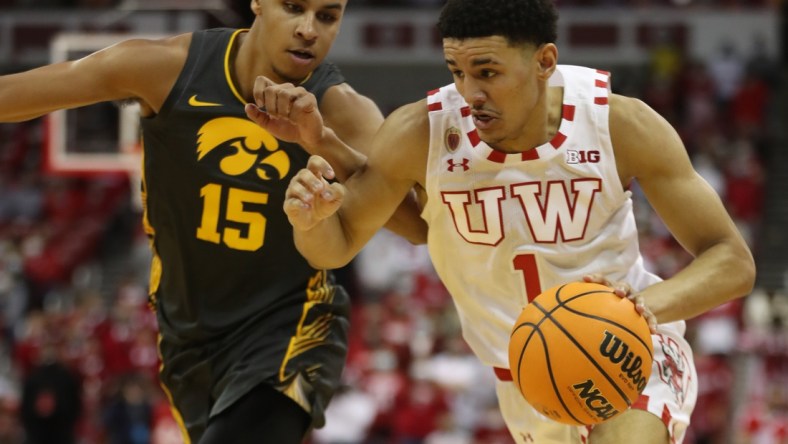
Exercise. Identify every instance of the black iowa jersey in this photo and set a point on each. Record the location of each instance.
(214, 185)
(237, 305)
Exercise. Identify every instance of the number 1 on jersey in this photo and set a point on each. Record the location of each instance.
(526, 264)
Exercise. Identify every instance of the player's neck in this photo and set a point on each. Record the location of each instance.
(247, 63)
(241, 66)
(555, 109)
(541, 126)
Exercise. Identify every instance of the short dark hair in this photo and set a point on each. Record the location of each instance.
(519, 21)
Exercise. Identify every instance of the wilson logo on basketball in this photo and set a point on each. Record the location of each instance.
(594, 400)
(617, 351)
(604, 341)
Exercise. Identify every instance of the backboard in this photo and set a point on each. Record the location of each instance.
(97, 138)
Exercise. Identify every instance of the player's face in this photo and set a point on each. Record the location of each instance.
(298, 33)
(505, 87)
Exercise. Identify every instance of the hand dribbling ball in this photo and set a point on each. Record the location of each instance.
(580, 354)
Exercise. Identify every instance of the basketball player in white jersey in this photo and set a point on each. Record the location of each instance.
(525, 166)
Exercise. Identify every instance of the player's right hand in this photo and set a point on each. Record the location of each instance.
(624, 290)
(287, 111)
(310, 198)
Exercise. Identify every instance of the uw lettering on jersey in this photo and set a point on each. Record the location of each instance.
(214, 186)
(530, 220)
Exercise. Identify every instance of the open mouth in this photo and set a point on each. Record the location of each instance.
(303, 55)
(482, 120)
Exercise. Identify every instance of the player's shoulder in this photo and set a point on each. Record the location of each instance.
(641, 137)
(630, 115)
(342, 101)
(130, 62)
(403, 141)
(175, 42)
(344, 94)
(411, 118)
(625, 104)
(407, 128)
(152, 52)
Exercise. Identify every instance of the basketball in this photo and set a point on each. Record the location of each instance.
(580, 354)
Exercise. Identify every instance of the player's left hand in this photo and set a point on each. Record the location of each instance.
(310, 198)
(624, 290)
(288, 112)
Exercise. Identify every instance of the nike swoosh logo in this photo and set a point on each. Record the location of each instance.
(194, 102)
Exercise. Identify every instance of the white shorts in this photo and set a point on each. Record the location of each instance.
(670, 394)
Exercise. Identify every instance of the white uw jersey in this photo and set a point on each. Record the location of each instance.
(504, 227)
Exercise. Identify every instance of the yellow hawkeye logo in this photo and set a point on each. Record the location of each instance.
(248, 146)
(194, 102)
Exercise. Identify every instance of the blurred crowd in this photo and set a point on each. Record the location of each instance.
(243, 5)
(78, 358)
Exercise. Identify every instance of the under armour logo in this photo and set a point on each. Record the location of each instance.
(527, 437)
(463, 164)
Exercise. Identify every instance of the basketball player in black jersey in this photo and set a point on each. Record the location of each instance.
(253, 339)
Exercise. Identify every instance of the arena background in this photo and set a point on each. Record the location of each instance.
(73, 260)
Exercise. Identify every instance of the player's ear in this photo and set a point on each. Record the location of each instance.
(547, 58)
(256, 8)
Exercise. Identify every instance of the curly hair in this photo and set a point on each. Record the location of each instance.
(519, 21)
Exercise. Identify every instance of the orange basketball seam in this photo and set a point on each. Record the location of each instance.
(590, 358)
(547, 363)
(610, 322)
(563, 304)
(601, 319)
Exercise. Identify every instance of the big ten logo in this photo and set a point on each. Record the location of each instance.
(577, 156)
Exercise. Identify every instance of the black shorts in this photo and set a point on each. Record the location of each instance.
(262, 415)
(298, 350)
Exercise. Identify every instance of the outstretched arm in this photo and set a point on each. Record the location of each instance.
(119, 72)
(649, 150)
(332, 222)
